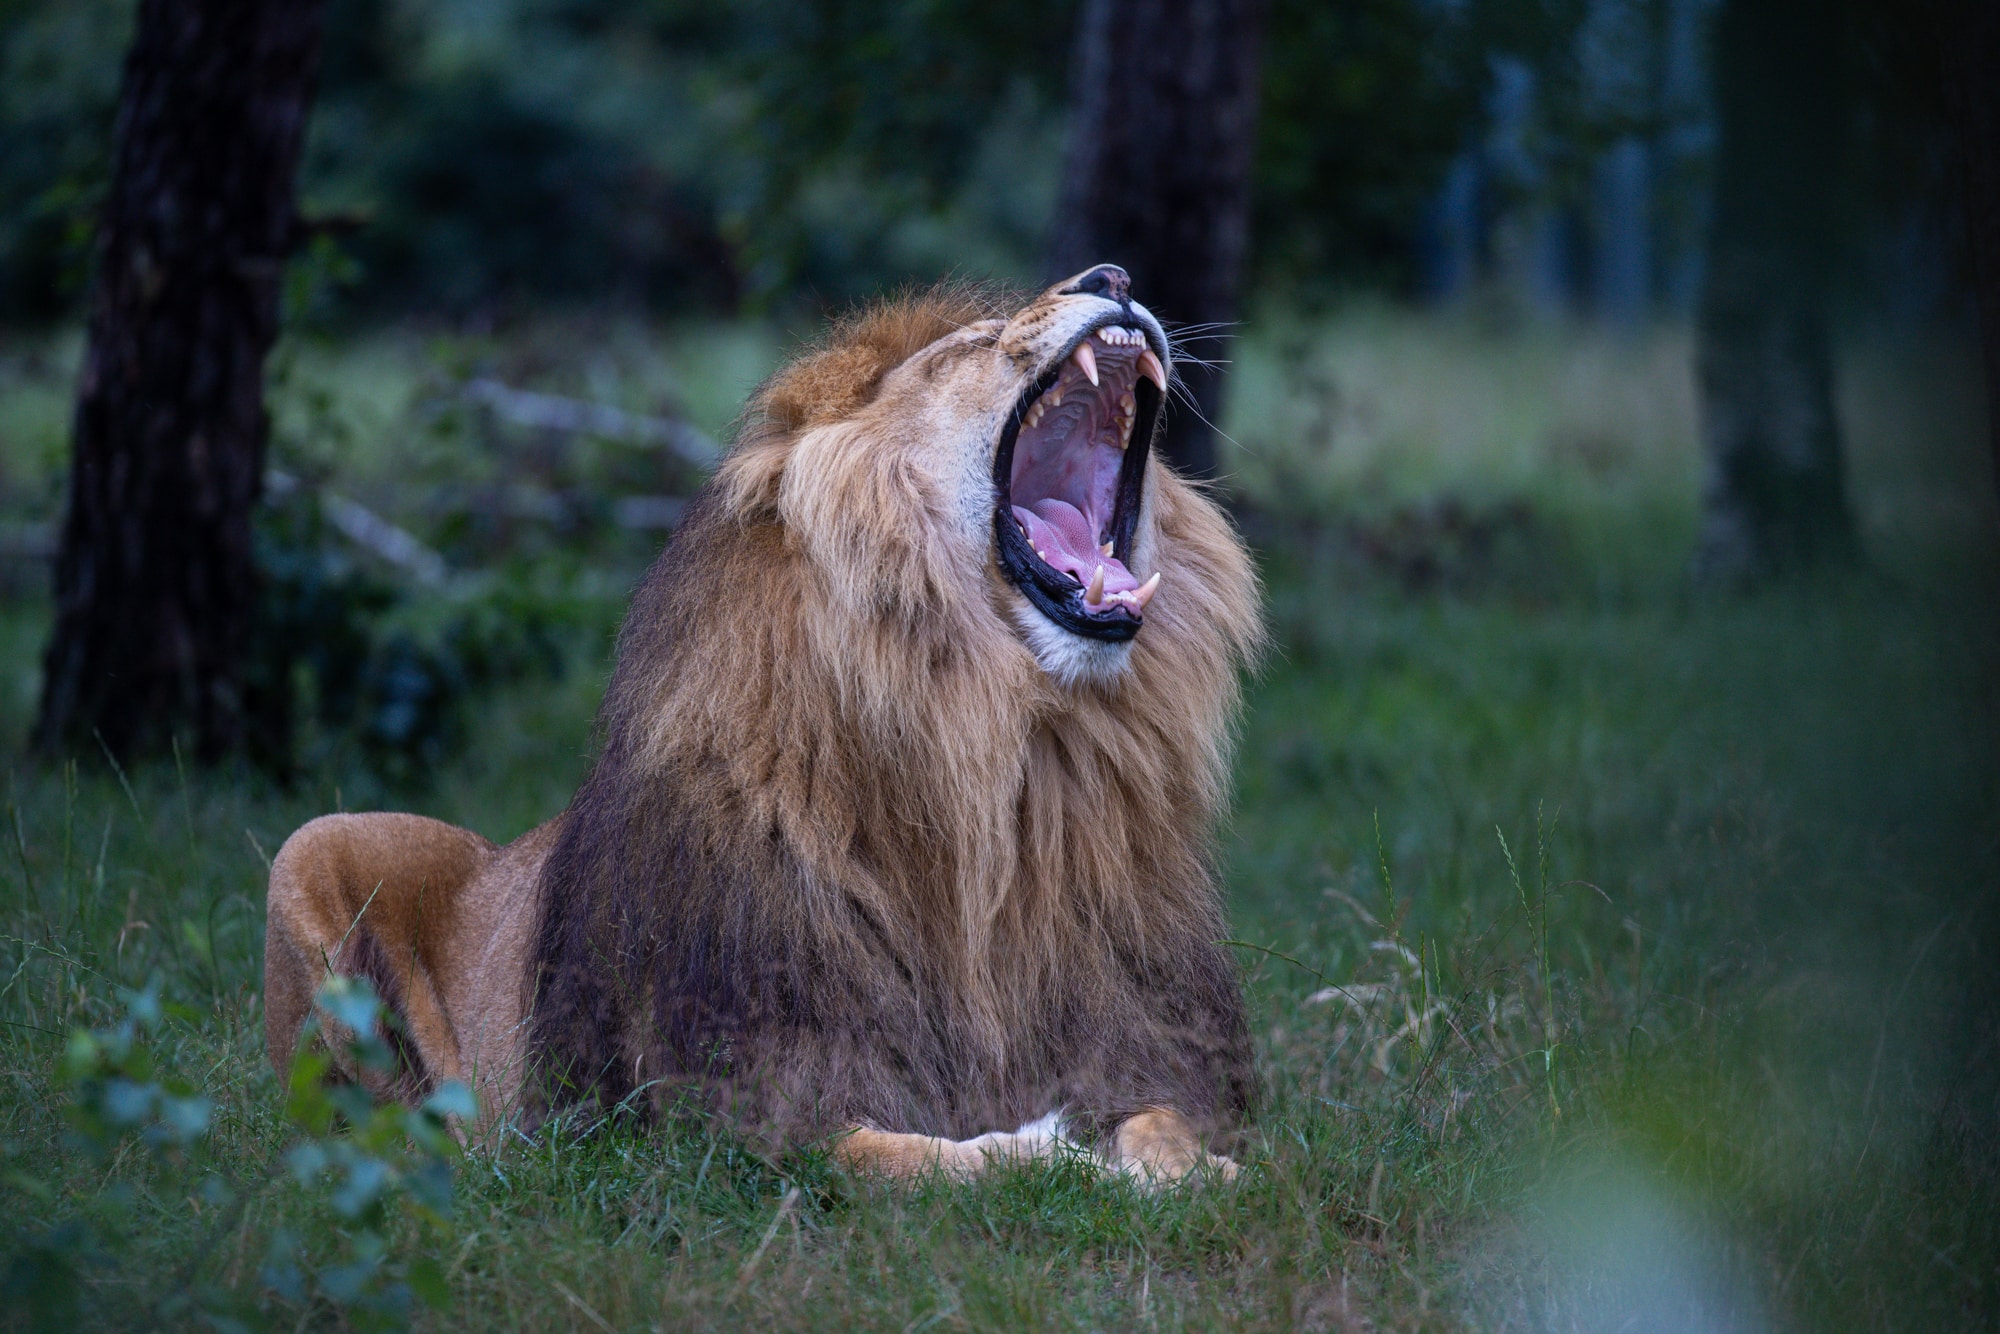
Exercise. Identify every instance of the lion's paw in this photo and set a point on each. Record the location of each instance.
(1158, 1148)
(1041, 1138)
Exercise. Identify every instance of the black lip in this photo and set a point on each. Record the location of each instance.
(1055, 594)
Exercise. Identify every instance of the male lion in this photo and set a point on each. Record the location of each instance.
(901, 831)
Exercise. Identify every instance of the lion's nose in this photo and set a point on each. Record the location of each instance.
(1106, 280)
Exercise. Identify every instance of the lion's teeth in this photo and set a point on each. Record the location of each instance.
(1146, 591)
(1054, 397)
(1086, 361)
(1095, 593)
(1104, 550)
(1150, 367)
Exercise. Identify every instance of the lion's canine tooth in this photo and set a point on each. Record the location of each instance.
(1149, 366)
(1146, 590)
(1086, 361)
(1095, 593)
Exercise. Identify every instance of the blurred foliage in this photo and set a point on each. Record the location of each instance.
(1365, 104)
(383, 1171)
(686, 157)
(354, 657)
(681, 157)
(59, 66)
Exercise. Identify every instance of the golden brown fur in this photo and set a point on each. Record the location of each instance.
(866, 846)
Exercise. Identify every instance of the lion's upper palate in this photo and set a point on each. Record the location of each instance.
(1067, 464)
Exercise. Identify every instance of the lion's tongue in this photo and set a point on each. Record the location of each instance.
(1064, 539)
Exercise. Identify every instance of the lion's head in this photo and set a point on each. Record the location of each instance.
(915, 745)
(934, 456)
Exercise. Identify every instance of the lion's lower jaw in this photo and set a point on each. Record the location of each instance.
(1068, 658)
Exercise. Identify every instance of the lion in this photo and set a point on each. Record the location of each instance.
(901, 831)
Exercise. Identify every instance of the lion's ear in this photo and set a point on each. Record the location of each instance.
(844, 373)
(870, 520)
(827, 386)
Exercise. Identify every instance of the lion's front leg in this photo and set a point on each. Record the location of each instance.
(1159, 1147)
(903, 1157)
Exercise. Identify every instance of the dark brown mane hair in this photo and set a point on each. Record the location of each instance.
(841, 864)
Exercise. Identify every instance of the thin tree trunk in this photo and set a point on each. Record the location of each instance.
(1970, 38)
(1965, 1147)
(155, 588)
(1774, 497)
(1163, 114)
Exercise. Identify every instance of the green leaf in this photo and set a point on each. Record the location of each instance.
(306, 1161)
(453, 1099)
(353, 1002)
(186, 1118)
(367, 1178)
(426, 1279)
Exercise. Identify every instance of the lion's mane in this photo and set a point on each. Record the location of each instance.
(848, 855)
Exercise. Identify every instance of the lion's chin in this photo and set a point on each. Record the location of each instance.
(1071, 659)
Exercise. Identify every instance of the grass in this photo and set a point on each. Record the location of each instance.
(1609, 945)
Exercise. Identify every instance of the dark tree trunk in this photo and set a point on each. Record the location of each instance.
(1163, 114)
(1970, 38)
(1965, 1149)
(1774, 497)
(155, 588)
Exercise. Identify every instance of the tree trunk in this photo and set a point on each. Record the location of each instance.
(1163, 114)
(1970, 40)
(155, 588)
(1774, 497)
(1965, 1148)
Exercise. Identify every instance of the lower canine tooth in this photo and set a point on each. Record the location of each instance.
(1095, 593)
(1146, 590)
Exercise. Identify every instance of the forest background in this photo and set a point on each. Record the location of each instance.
(1616, 895)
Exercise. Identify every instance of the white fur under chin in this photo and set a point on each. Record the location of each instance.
(1070, 658)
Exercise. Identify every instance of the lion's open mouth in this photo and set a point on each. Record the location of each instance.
(1070, 471)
